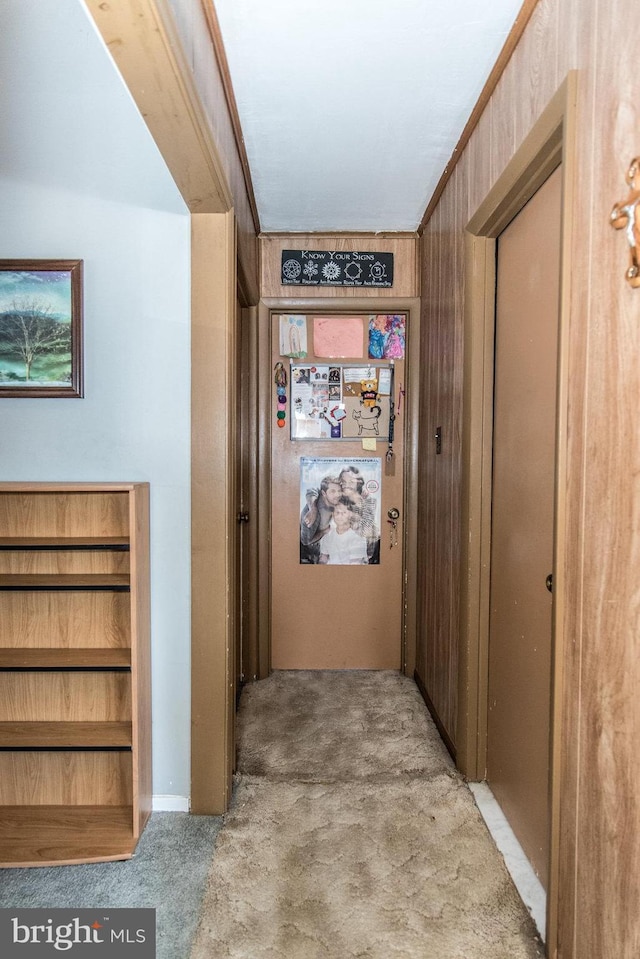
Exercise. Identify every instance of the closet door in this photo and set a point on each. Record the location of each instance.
(523, 506)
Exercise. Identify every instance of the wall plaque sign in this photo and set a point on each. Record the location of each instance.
(349, 268)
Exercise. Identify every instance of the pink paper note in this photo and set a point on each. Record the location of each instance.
(338, 336)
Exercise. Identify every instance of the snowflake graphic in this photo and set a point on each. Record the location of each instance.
(310, 269)
(331, 271)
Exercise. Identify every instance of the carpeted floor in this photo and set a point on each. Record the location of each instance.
(352, 835)
(167, 873)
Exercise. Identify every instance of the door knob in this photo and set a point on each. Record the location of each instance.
(549, 582)
(243, 517)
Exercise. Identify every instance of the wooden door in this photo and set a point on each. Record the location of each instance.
(332, 607)
(520, 630)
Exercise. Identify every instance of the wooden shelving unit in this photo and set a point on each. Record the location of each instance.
(75, 685)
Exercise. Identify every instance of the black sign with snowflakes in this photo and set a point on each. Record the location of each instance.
(336, 268)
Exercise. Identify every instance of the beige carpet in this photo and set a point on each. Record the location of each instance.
(352, 835)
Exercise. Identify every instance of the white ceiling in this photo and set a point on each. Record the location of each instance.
(351, 109)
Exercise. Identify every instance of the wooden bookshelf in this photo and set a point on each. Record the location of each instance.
(48, 581)
(90, 658)
(65, 735)
(65, 834)
(75, 700)
(21, 543)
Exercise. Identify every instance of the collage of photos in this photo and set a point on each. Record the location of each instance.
(340, 511)
(340, 402)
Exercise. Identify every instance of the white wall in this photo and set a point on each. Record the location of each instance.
(80, 177)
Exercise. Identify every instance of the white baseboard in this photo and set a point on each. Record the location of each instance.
(524, 878)
(170, 804)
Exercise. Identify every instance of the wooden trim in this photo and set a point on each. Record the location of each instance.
(411, 306)
(551, 141)
(90, 659)
(144, 42)
(517, 30)
(65, 735)
(263, 506)
(411, 486)
(57, 835)
(559, 692)
(251, 667)
(322, 235)
(34, 487)
(215, 33)
(434, 715)
(475, 518)
(248, 293)
(213, 524)
(536, 159)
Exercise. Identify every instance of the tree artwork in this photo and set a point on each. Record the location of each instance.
(29, 331)
(41, 328)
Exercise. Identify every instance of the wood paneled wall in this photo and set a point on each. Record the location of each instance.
(600, 782)
(406, 280)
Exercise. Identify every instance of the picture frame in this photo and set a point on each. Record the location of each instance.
(41, 328)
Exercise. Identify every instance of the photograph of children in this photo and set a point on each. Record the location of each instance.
(340, 511)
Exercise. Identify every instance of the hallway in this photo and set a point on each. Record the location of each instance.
(352, 834)
(125, 148)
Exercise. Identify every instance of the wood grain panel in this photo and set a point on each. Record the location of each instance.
(404, 248)
(64, 561)
(67, 620)
(579, 47)
(214, 510)
(61, 696)
(608, 844)
(64, 835)
(63, 514)
(504, 106)
(426, 248)
(65, 735)
(443, 464)
(430, 526)
(65, 778)
(64, 658)
(141, 679)
(536, 58)
(510, 44)
(49, 707)
(479, 164)
(599, 855)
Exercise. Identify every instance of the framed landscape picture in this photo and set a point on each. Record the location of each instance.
(41, 328)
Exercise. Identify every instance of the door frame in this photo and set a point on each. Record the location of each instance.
(551, 142)
(326, 306)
